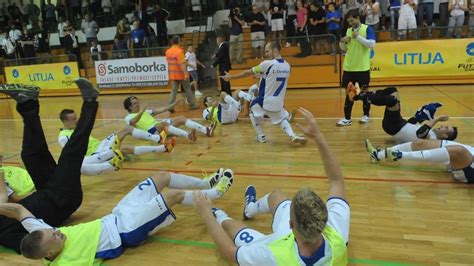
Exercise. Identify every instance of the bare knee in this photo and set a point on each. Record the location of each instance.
(459, 157)
(160, 126)
(275, 198)
(127, 149)
(161, 179)
(173, 196)
(417, 144)
(179, 121)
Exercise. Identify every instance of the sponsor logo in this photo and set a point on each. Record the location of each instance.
(134, 68)
(66, 70)
(470, 49)
(41, 77)
(418, 58)
(15, 73)
(466, 66)
(102, 69)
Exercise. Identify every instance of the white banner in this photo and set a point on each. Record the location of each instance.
(132, 72)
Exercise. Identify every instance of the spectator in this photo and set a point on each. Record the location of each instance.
(4, 17)
(90, 29)
(471, 19)
(290, 20)
(122, 7)
(407, 20)
(138, 40)
(14, 11)
(443, 16)
(317, 26)
(15, 36)
(50, 15)
(71, 41)
(193, 63)
(76, 9)
(260, 4)
(333, 18)
(85, 7)
(8, 46)
(43, 36)
(141, 15)
(24, 13)
(61, 9)
(27, 44)
(236, 36)
(222, 59)
(95, 8)
(425, 10)
(62, 25)
(161, 16)
(119, 49)
(276, 9)
(394, 15)
(256, 21)
(350, 5)
(96, 52)
(123, 32)
(33, 13)
(456, 9)
(371, 11)
(178, 74)
(302, 20)
(107, 9)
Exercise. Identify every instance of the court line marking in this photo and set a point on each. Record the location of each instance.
(200, 118)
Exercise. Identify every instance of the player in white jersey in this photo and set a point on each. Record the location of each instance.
(107, 155)
(306, 231)
(271, 92)
(459, 158)
(227, 109)
(393, 123)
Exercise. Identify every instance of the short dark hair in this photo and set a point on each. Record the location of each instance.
(64, 113)
(31, 247)
(275, 45)
(128, 102)
(332, 4)
(175, 39)
(205, 100)
(353, 13)
(453, 135)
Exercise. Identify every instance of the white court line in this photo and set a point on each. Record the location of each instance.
(244, 118)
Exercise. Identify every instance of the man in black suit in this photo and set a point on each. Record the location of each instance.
(223, 60)
(71, 42)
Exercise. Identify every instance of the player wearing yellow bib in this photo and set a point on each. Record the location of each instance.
(15, 183)
(142, 212)
(306, 231)
(227, 109)
(107, 155)
(145, 120)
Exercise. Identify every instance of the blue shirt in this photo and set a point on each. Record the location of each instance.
(137, 35)
(395, 4)
(236, 28)
(333, 25)
(370, 33)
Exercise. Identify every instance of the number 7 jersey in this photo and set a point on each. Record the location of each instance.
(273, 81)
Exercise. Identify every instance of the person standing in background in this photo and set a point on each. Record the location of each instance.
(222, 59)
(290, 21)
(471, 19)
(456, 20)
(394, 15)
(192, 62)
(236, 37)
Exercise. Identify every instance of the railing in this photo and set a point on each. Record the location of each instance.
(424, 33)
(48, 59)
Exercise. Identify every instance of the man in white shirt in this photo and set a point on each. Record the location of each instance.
(306, 231)
(15, 36)
(8, 46)
(271, 92)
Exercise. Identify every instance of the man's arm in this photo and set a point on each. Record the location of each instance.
(423, 131)
(15, 211)
(165, 108)
(243, 74)
(137, 118)
(225, 245)
(331, 165)
(368, 42)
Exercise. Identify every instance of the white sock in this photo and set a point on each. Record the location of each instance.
(253, 89)
(246, 96)
(179, 181)
(96, 168)
(261, 206)
(221, 216)
(403, 147)
(439, 155)
(285, 125)
(99, 157)
(141, 134)
(211, 194)
(177, 131)
(148, 149)
(256, 124)
(194, 125)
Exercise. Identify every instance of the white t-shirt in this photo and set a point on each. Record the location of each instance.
(372, 17)
(15, 35)
(8, 46)
(61, 28)
(457, 11)
(98, 47)
(408, 133)
(192, 61)
(407, 10)
(258, 253)
(273, 83)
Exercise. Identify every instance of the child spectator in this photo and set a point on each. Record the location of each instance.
(193, 63)
(407, 19)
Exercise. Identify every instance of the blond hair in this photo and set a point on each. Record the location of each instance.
(310, 215)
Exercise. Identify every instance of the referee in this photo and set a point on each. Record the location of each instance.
(357, 43)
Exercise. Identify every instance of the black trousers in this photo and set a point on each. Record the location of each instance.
(225, 85)
(58, 186)
(363, 78)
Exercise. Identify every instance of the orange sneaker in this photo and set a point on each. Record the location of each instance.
(170, 144)
(352, 90)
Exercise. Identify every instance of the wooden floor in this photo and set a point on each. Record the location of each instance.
(402, 214)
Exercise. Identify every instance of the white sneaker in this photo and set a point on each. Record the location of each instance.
(299, 139)
(344, 122)
(364, 120)
(198, 94)
(261, 138)
(287, 44)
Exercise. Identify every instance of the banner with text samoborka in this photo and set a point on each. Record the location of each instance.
(132, 72)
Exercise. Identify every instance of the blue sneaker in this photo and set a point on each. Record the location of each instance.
(427, 112)
(250, 196)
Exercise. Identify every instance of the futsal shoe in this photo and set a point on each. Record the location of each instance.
(250, 197)
(20, 93)
(261, 138)
(299, 139)
(164, 135)
(344, 122)
(117, 160)
(292, 115)
(226, 182)
(392, 155)
(352, 90)
(192, 135)
(210, 129)
(373, 152)
(116, 144)
(214, 178)
(88, 91)
(169, 146)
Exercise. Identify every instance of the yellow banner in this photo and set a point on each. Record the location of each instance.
(46, 76)
(454, 57)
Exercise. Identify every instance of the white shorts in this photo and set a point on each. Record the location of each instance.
(106, 143)
(406, 23)
(142, 212)
(152, 129)
(280, 227)
(277, 24)
(275, 117)
(258, 39)
(230, 110)
(465, 175)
